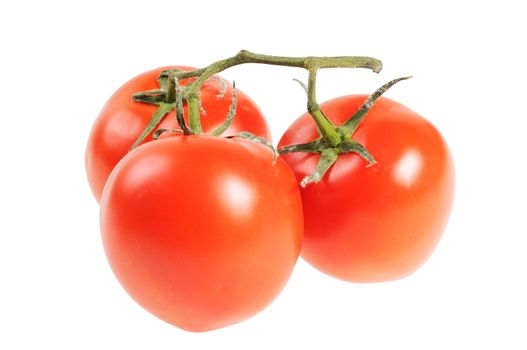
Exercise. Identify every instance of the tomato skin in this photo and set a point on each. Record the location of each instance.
(378, 223)
(202, 231)
(122, 120)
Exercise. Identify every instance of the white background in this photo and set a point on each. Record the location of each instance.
(62, 60)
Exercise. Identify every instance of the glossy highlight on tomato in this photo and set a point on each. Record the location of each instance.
(202, 231)
(377, 223)
(122, 120)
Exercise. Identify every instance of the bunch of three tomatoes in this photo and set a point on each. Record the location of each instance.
(204, 231)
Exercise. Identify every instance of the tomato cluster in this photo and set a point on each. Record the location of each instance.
(204, 231)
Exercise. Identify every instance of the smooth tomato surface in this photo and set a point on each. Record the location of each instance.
(377, 223)
(203, 232)
(122, 120)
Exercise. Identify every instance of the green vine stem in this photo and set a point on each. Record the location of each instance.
(178, 104)
(326, 128)
(169, 90)
(311, 63)
(333, 141)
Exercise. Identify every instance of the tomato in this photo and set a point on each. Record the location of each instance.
(382, 222)
(202, 231)
(122, 120)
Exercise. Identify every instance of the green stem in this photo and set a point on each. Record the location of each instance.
(178, 105)
(170, 96)
(300, 62)
(191, 93)
(313, 61)
(327, 129)
(194, 114)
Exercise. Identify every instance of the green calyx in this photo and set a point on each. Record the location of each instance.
(335, 140)
(169, 97)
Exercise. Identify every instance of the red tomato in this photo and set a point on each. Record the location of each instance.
(122, 120)
(202, 231)
(377, 223)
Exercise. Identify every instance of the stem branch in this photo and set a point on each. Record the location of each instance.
(327, 129)
(312, 63)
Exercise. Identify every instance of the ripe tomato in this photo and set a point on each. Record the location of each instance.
(202, 231)
(377, 223)
(122, 120)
